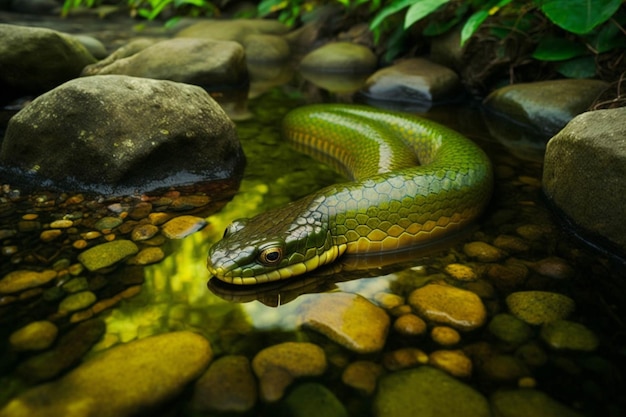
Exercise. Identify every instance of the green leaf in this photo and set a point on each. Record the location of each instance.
(608, 37)
(552, 48)
(394, 7)
(266, 7)
(578, 16)
(582, 67)
(472, 24)
(421, 9)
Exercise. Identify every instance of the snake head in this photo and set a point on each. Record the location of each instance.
(240, 260)
(273, 246)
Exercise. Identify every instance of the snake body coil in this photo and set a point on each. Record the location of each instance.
(413, 181)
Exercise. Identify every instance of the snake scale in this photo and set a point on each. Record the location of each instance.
(412, 181)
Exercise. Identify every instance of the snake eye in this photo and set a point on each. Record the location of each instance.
(271, 256)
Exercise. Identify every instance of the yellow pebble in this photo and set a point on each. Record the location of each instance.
(461, 272)
(445, 336)
(409, 325)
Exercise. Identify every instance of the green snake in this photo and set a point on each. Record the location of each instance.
(412, 181)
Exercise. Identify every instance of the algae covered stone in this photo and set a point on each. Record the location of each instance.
(107, 254)
(277, 366)
(227, 386)
(565, 334)
(426, 391)
(348, 319)
(538, 307)
(121, 381)
(528, 402)
(311, 399)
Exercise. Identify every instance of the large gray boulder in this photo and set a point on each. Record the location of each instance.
(35, 60)
(263, 40)
(585, 171)
(202, 62)
(113, 133)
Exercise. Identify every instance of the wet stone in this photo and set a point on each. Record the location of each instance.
(149, 256)
(179, 227)
(426, 391)
(511, 244)
(61, 224)
(78, 301)
(564, 334)
(279, 365)
(107, 254)
(528, 402)
(75, 285)
(452, 306)
(38, 335)
(483, 252)
(50, 235)
(362, 376)
(144, 232)
(532, 354)
(227, 386)
(510, 329)
(409, 325)
(445, 336)
(20, 280)
(108, 223)
(348, 319)
(504, 368)
(553, 267)
(533, 232)
(136, 376)
(538, 307)
(461, 272)
(404, 358)
(140, 211)
(453, 362)
(69, 349)
(311, 399)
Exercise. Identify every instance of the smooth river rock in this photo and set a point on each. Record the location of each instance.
(348, 319)
(279, 365)
(448, 305)
(426, 391)
(544, 106)
(122, 381)
(539, 307)
(107, 254)
(340, 57)
(413, 80)
(583, 176)
(210, 64)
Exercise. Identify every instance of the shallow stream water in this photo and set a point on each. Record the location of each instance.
(175, 294)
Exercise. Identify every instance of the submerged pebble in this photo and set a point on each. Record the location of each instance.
(538, 307)
(227, 386)
(483, 252)
(453, 362)
(279, 365)
(38, 335)
(362, 376)
(107, 254)
(348, 319)
(426, 391)
(564, 334)
(20, 280)
(448, 305)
